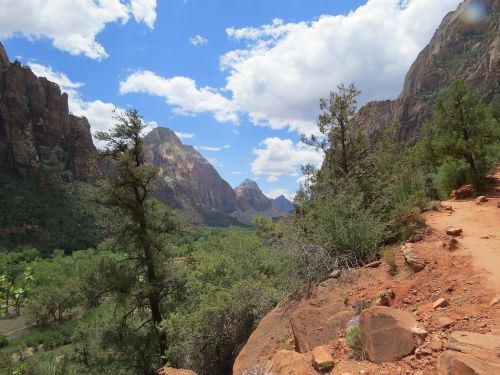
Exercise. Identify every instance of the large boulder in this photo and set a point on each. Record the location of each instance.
(315, 326)
(390, 334)
(287, 362)
(456, 363)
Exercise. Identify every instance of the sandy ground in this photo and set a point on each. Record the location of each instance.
(481, 234)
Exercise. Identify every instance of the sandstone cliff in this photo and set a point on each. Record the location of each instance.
(188, 180)
(36, 126)
(464, 46)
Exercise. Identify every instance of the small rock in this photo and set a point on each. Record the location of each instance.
(419, 372)
(416, 263)
(449, 288)
(441, 302)
(335, 274)
(447, 207)
(455, 232)
(436, 344)
(452, 244)
(322, 359)
(498, 204)
(374, 264)
(444, 322)
(495, 301)
(481, 199)
(385, 297)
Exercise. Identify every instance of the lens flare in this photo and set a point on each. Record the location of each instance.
(474, 12)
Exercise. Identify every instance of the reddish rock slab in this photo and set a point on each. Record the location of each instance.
(481, 199)
(482, 346)
(456, 363)
(315, 326)
(441, 302)
(390, 334)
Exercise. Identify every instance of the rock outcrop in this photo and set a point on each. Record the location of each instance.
(36, 126)
(188, 180)
(463, 47)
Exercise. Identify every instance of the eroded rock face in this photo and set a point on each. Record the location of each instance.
(36, 126)
(390, 334)
(458, 50)
(188, 180)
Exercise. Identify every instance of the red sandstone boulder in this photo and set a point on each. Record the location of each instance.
(173, 371)
(322, 359)
(482, 346)
(390, 334)
(287, 362)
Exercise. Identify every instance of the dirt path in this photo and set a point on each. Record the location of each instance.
(481, 233)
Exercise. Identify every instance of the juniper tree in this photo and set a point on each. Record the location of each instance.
(145, 225)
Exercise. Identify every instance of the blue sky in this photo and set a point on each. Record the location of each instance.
(239, 79)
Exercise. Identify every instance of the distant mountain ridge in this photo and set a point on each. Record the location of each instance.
(283, 204)
(189, 182)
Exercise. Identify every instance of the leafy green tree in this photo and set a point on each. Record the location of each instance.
(463, 128)
(143, 233)
(343, 145)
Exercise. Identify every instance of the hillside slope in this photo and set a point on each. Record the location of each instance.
(464, 273)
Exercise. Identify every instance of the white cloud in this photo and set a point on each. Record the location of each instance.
(275, 193)
(100, 114)
(144, 11)
(213, 149)
(182, 93)
(282, 157)
(184, 135)
(72, 26)
(283, 69)
(198, 40)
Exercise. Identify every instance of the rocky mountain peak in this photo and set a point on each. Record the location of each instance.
(249, 195)
(283, 204)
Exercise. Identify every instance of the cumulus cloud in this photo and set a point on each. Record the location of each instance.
(72, 26)
(182, 135)
(144, 11)
(100, 114)
(282, 157)
(213, 149)
(182, 93)
(283, 69)
(198, 40)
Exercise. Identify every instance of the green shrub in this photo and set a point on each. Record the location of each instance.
(3, 342)
(388, 254)
(449, 177)
(355, 340)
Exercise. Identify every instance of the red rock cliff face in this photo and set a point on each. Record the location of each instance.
(35, 124)
(249, 195)
(460, 49)
(188, 180)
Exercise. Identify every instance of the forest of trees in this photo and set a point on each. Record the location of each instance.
(146, 289)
